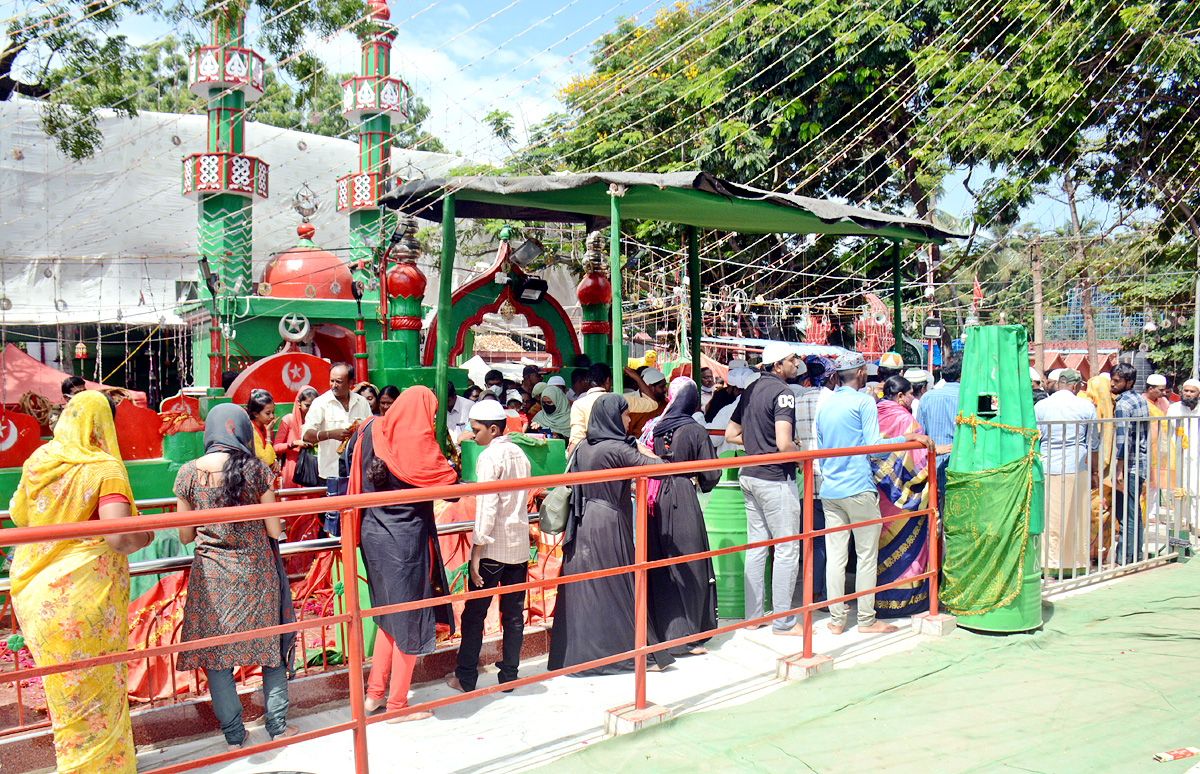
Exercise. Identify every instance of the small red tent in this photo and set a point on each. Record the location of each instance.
(20, 373)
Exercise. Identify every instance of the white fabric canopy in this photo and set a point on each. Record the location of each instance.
(111, 239)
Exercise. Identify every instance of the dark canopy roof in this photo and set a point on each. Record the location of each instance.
(687, 198)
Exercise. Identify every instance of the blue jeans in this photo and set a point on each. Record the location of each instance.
(228, 707)
(1127, 505)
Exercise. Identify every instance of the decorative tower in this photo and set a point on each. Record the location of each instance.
(405, 288)
(371, 102)
(223, 179)
(595, 298)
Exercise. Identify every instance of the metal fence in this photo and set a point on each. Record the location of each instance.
(354, 612)
(1120, 494)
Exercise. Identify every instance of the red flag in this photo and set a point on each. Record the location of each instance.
(976, 293)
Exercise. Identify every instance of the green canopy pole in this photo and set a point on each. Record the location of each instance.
(444, 323)
(694, 290)
(615, 193)
(897, 327)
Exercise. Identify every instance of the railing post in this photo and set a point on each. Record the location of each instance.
(932, 537)
(639, 594)
(806, 617)
(354, 638)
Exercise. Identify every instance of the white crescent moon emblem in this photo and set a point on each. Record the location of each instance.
(9, 439)
(296, 377)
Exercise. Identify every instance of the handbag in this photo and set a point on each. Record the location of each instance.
(556, 506)
(306, 473)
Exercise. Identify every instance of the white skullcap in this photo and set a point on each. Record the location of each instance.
(1105, 375)
(738, 362)
(487, 411)
(1055, 374)
(917, 375)
(739, 377)
(1156, 380)
(512, 395)
(653, 376)
(557, 381)
(1192, 383)
(1034, 376)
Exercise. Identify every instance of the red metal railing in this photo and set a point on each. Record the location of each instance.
(354, 613)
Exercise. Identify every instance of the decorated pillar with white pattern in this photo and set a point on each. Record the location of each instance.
(371, 102)
(223, 179)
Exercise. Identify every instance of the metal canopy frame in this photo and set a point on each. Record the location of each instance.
(690, 199)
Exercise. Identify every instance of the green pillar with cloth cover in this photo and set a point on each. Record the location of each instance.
(994, 488)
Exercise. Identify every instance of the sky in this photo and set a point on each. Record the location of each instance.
(465, 58)
(469, 57)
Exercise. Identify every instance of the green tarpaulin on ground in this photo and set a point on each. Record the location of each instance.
(1105, 684)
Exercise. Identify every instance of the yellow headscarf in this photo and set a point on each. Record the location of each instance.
(1099, 392)
(62, 481)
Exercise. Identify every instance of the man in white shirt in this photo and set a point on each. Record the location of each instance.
(457, 413)
(706, 387)
(738, 379)
(600, 375)
(1185, 424)
(332, 418)
(499, 549)
(1066, 444)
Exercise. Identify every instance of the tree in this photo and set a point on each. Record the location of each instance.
(78, 64)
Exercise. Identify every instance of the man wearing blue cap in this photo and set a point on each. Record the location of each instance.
(849, 418)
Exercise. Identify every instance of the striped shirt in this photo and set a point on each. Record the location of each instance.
(1131, 439)
(936, 413)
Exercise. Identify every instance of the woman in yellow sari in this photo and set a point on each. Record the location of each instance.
(71, 596)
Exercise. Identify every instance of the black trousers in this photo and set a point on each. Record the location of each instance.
(512, 622)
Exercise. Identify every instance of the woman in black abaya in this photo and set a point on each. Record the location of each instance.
(682, 597)
(594, 618)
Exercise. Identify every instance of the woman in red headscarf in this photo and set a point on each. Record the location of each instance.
(399, 542)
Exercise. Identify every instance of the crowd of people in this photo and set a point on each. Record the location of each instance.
(1132, 468)
(365, 439)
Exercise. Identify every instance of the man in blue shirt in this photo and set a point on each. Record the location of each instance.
(849, 418)
(936, 414)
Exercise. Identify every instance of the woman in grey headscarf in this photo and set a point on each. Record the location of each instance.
(234, 585)
(595, 618)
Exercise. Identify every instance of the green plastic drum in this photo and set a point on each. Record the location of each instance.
(725, 519)
(1023, 613)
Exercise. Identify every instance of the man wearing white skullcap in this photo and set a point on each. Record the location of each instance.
(499, 548)
(1035, 380)
(738, 379)
(1156, 392)
(1185, 437)
(920, 379)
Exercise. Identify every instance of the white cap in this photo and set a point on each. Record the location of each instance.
(738, 377)
(1034, 376)
(487, 411)
(653, 376)
(917, 375)
(1055, 374)
(1105, 375)
(1156, 380)
(891, 360)
(1192, 383)
(557, 381)
(738, 362)
(776, 351)
(512, 395)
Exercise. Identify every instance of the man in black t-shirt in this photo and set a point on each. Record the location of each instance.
(763, 423)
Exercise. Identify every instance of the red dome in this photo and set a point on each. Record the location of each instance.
(307, 271)
(405, 280)
(594, 289)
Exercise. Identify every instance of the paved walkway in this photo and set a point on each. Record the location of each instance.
(540, 723)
